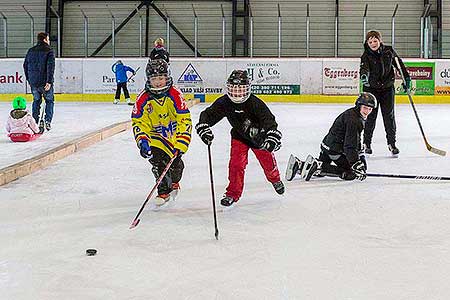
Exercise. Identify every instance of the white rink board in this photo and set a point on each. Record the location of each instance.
(328, 76)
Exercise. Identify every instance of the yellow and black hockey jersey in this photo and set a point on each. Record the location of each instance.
(165, 122)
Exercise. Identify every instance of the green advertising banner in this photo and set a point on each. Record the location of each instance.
(422, 78)
(276, 89)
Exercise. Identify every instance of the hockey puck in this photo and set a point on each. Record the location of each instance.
(91, 252)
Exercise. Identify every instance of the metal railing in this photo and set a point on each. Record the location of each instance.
(425, 30)
(282, 28)
(5, 33)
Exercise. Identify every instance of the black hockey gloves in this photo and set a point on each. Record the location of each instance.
(360, 170)
(272, 141)
(145, 149)
(205, 133)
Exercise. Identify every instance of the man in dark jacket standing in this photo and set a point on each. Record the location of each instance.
(377, 76)
(340, 154)
(39, 68)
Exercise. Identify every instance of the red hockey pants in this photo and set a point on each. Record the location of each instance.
(238, 162)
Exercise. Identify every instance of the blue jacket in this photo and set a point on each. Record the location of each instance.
(39, 65)
(121, 72)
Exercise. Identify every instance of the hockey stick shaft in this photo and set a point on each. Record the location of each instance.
(132, 76)
(213, 197)
(136, 219)
(424, 177)
(429, 147)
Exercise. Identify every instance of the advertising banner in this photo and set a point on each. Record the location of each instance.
(340, 77)
(270, 76)
(422, 78)
(199, 76)
(98, 77)
(12, 77)
(442, 79)
(311, 76)
(68, 76)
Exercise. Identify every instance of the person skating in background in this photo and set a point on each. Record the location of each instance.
(162, 127)
(341, 151)
(21, 126)
(378, 77)
(159, 52)
(120, 70)
(39, 69)
(253, 127)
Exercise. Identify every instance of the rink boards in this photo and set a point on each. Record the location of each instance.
(314, 80)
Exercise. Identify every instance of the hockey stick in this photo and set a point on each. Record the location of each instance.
(212, 192)
(426, 177)
(136, 219)
(132, 76)
(429, 147)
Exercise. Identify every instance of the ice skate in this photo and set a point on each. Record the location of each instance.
(161, 199)
(279, 187)
(41, 127)
(367, 149)
(394, 150)
(310, 167)
(227, 201)
(294, 167)
(116, 101)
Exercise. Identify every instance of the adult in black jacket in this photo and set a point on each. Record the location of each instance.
(341, 146)
(253, 127)
(39, 68)
(159, 52)
(377, 75)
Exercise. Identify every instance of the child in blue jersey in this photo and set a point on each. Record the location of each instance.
(120, 70)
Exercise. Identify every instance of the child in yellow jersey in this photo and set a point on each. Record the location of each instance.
(162, 127)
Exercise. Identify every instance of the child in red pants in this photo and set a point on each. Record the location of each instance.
(253, 127)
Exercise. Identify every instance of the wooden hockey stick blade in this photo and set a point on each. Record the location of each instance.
(436, 151)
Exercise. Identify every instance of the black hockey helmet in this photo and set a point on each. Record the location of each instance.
(156, 68)
(366, 99)
(238, 86)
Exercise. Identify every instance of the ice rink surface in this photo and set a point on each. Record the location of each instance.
(324, 239)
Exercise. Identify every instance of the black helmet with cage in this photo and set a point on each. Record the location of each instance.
(238, 86)
(156, 69)
(366, 99)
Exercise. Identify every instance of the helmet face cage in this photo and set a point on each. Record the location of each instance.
(157, 69)
(366, 99)
(238, 86)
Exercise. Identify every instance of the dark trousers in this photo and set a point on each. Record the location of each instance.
(341, 167)
(386, 102)
(159, 162)
(38, 92)
(123, 86)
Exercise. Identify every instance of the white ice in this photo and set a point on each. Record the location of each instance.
(324, 239)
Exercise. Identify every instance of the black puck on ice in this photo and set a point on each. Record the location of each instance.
(91, 252)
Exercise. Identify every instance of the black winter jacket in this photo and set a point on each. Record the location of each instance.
(344, 136)
(379, 67)
(250, 120)
(39, 65)
(159, 53)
